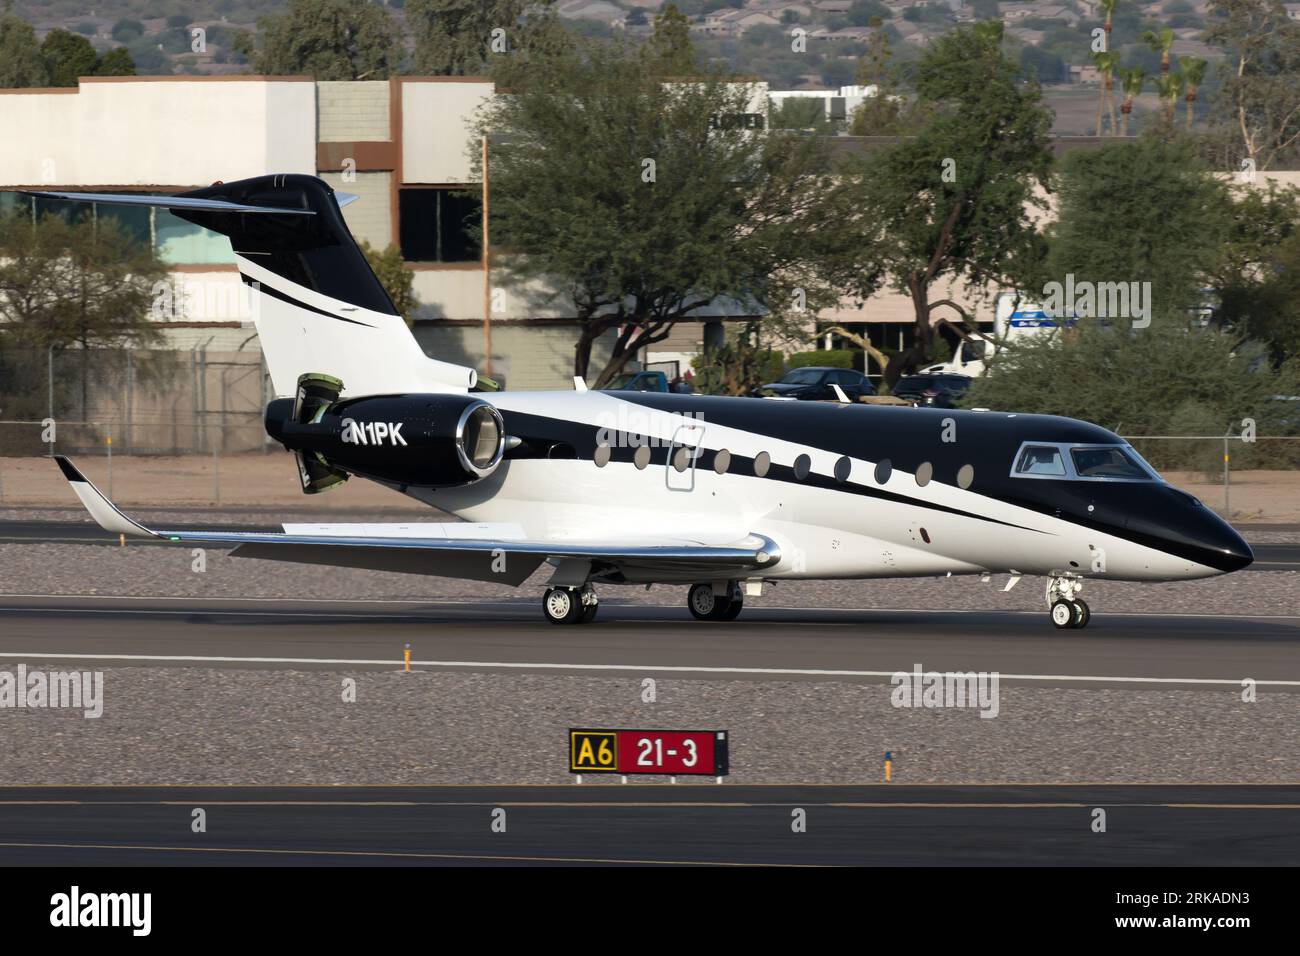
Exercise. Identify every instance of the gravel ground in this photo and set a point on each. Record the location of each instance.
(159, 571)
(199, 726)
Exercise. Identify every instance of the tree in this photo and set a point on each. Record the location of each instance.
(1260, 97)
(454, 37)
(116, 62)
(21, 64)
(1107, 7)
(1106, 63)
(671, 52)
(398, 281)
(67, 56)
(1169, 86)
(953, 201)
(1132, 79)
(127, 29)
(1193, 69)
(325, 39)
(1257, 280)
(1143, 211)
(1162, 43)
(642, 202)
(77, 285)
(882, 114)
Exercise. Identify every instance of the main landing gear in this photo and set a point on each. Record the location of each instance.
(570, 605)
(1067, 610)
(707, 604)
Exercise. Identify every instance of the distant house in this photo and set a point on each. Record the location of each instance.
(845, 33)
(1084, 74)
(600, 10)
(833, 6)
(1292, 10)
(1027, 36)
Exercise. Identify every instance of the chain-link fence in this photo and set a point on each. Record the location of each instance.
(161, 402)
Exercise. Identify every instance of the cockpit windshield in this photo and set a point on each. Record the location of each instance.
(1077, 462)
(1105, 463)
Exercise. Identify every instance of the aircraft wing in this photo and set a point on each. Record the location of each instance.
(475, 552)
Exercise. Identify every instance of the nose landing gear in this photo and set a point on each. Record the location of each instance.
(1067, 610)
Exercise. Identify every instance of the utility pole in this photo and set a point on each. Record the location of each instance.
(487, 273)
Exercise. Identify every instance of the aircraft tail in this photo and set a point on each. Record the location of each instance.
(318, 306)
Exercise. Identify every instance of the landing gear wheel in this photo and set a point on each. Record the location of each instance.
(705, 605)
(1063, 614)
(1083, 614)
(562, 605)
(733, 610)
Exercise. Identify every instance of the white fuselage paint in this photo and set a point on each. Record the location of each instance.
(821, 533)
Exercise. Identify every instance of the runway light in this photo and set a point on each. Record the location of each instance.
(406, 659)
(889, 765)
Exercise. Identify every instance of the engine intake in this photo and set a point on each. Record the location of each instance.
(432, 441)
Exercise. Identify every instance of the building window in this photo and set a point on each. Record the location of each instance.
(436, 225)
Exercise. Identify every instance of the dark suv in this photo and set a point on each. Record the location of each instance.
(814, 383)
(941, 391)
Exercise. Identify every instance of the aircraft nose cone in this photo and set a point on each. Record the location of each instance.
(1236, 553)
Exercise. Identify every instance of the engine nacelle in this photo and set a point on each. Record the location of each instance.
(432, 441)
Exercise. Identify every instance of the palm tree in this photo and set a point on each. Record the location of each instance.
(1133, 79)
(1170, 87)
(1194, 71)
(1161, 43)
(1106, 64)
(1108, 7)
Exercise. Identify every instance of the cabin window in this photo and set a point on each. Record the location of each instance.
(601, 458)
(884, 468)
(965, 476)
(722, 461)
(642, 457)
(843, 468)
(802, 465)
(924, 472)
(762, 462)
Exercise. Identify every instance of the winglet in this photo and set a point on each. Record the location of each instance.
(106, 514)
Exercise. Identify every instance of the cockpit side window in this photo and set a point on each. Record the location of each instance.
(1041, 460)
(1109, 462)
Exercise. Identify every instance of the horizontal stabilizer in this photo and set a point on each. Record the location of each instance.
(174, 202)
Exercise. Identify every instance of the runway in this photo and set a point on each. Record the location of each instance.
(659, 824)
(766, 643)
(1268, 557)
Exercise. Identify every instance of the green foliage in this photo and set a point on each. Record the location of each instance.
(738, 366)
(1167, 379)
(127, 29)
(453, 37)
(398, 281)
(833, 358)
(1260, 98)
(67, 56)
(326, 39)
(21, 64)
(641, 203)
(116, 62)
(1145, 211)
(670, 51)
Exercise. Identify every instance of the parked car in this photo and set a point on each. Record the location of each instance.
(814, 383)
(941, 391)
(639, 382)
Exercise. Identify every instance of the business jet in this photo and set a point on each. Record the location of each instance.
(723, 495)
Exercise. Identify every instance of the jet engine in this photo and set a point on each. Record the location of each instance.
(432, 441)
